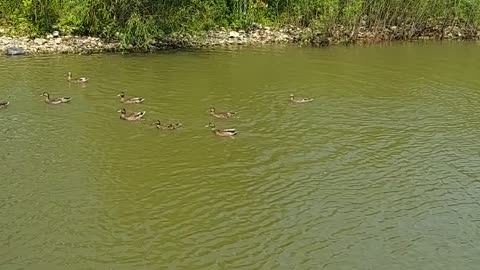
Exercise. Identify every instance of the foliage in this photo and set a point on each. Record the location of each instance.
(137, 22)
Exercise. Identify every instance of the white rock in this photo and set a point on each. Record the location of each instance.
(39, 41)
(55, 34)
(58, 40)
(233, 34)
(49, 36)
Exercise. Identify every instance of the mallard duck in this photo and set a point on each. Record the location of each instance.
(131, 116)
(224, 115)
(55, 101)
(170, 126)
(299, 100)
(76, 80)
(4, 104)
(133, 100)
(222, 132)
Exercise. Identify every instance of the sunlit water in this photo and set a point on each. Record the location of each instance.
(381, 171)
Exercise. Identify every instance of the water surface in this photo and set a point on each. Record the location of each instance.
(380, 172)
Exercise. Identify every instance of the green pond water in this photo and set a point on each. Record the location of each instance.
(381, 171)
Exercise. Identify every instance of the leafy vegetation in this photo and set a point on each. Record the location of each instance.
(137, 22)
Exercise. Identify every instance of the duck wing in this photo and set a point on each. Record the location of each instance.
(231, 131)
(136, 99)
(65, 99)
(138, 114)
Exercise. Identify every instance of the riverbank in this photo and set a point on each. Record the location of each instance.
(258, 35)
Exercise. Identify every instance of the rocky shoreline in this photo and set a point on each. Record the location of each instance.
(56, 43)
(53, 45)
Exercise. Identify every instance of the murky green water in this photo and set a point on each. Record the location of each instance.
(382, 171)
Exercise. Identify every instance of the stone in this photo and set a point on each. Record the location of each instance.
(257, 26)
(393, 28)
(320, 40)
(55, 34)
(39, 41)
(15, 51)
(49, 36)
(456, 31)
(233, 34)
(58, 40)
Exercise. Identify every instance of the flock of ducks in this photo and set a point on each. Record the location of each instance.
(135, 116)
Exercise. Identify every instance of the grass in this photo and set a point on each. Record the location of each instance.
(138, 22)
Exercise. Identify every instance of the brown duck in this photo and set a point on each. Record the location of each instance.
(132, 116)
(229, 132)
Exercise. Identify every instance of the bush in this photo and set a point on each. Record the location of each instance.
(136, 22)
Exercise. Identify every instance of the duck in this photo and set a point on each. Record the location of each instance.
(131, 116)
(4, 104)
(300, 100)
(229, 132)
(55, 101)
(223, 115)
(133, 100)
(170, 126)
(76, 80)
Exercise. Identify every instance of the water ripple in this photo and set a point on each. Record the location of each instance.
(380, 171)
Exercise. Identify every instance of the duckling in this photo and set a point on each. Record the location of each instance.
(229, 132)
(300, 100)
(223, 115)
(4, 104)
(133, 100)
(170, 126)
(76, 80)
(131, 116)
(55, 101)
